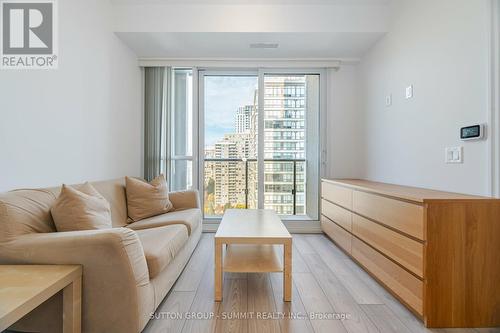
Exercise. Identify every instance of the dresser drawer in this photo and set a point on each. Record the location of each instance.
(397, 214)
(402, 283)
(400, 248)
(339, 235)
(338, 194)
(337, 214)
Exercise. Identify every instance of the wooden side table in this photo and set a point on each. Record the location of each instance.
(24, 287)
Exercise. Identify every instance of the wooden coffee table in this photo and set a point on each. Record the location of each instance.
(253, 238)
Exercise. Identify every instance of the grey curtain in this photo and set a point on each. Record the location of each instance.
(157, 101)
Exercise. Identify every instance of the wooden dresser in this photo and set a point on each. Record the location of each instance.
(437, 252)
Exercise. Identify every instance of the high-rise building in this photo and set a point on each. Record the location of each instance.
(231, 172)
(243, 120)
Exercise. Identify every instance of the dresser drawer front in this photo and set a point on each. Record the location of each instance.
(340, 195)
(400, 248)
(339, 235)
(401, 215)
(402, 283)
(337, 214)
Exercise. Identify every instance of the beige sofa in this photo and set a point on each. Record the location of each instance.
(127, 270)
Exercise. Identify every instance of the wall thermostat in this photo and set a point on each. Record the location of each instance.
(474, 132)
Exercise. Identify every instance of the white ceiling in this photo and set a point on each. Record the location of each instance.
(256, 2)
(236, 44)
(226, 28)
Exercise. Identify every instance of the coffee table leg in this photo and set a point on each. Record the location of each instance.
(287, 271)
(218, 271)
(72, 307)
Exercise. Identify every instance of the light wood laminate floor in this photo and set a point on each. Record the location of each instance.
(325, 283)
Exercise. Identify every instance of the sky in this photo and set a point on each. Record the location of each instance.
(223, 96)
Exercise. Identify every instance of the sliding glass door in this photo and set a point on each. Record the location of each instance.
(259, 142)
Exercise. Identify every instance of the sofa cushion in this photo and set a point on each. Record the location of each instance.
(191, 218)
(81, 208)
(161, 246)
(25, 212)
(146, 199)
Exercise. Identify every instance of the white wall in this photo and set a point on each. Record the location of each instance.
(80, 122)
(441, 47)
(343, 128)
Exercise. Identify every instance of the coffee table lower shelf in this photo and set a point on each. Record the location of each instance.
(252, 258)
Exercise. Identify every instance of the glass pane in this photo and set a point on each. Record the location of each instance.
(285, 143)
(230, 143)
(180, 140)
(182, 175)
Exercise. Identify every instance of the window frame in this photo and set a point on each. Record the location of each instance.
(199, 112)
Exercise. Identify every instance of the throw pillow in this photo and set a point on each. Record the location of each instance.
(147, 199)
(81, 208)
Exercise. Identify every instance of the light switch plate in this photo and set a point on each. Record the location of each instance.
(454, 155)
(409, 91)
(388, 100)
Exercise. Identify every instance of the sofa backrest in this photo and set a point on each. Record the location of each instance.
(114, 191)
(26, 211)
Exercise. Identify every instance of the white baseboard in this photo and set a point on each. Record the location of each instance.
(210, 227)
(294, 227)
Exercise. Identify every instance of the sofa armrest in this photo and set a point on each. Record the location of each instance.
(117, 248)
(114, 269)
(185, 199)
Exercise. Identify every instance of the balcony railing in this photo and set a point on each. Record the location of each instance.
(235, 185)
